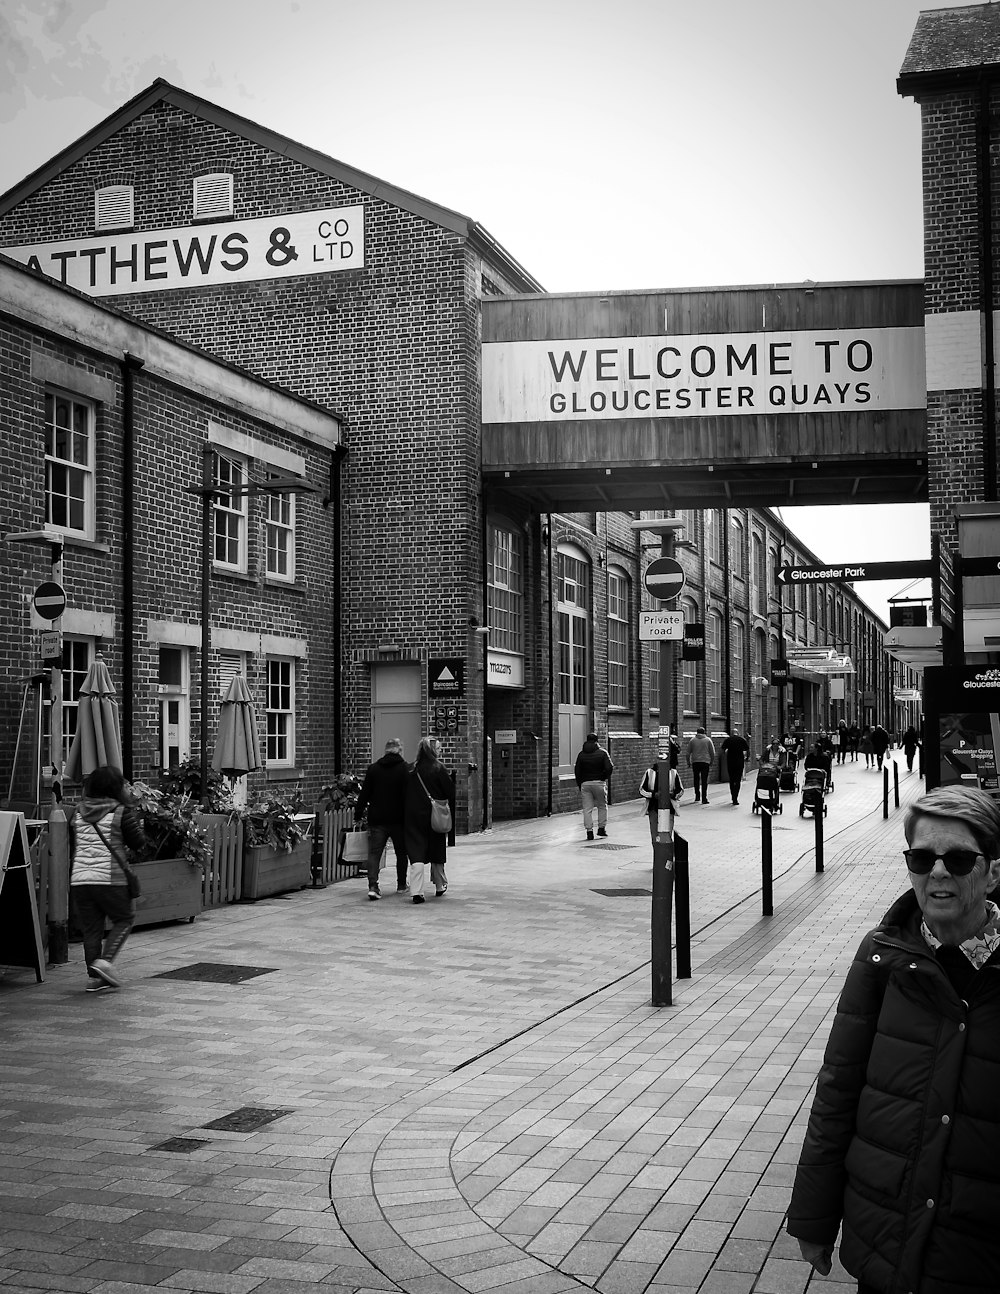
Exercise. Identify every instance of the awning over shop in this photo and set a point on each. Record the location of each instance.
(813, 664)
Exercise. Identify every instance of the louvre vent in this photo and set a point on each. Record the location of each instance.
(114, 207)
(213, 196)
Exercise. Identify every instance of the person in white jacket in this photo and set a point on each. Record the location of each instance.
(102, 829)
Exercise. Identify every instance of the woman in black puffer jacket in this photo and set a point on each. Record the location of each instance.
(902, 1149)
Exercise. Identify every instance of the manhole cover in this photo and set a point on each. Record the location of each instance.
(624, 893)
(607, 845)
(216, 973)
(181, 1145)
(247, 1118)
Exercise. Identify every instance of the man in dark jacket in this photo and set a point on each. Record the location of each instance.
(903, 1141)
(383, 794)
(737, 751)
(593, 768)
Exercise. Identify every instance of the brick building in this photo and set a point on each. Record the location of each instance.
(363, 300)
(109, 425)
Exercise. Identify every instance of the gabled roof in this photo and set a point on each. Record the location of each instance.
(163, 92)
(951, 47)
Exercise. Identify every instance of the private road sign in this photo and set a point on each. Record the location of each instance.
(664, 579)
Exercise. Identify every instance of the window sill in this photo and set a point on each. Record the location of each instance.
(285, 586)
(54, 537)
(272, 774)
(226, 573)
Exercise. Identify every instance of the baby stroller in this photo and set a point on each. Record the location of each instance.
(766, 793)
(813, 788)
(789, 773)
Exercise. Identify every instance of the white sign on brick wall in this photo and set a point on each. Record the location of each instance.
(704, 375)
(274, 247)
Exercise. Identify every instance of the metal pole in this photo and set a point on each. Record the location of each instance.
(818, 815)
(885, 790)
(663, 876)
(58, 834)
(682, 913)
(206, 606)
(766, 861)
(895, 781)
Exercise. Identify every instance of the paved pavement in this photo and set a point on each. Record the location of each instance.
(470, 1095)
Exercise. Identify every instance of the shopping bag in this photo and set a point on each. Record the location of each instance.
(355, 846)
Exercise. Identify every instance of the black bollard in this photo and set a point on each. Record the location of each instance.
(885, 790)
(818, 815)
(895, 781)
(766, 863)
(663, 897)
(682, 907)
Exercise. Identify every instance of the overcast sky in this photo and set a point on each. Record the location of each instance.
(640, 144)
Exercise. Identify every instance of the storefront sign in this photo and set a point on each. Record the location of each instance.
(962, 734)
(274, 247)
(694, 641)
(704, 375)
(506, 669)
(505, 737)
(781, 672)
(445, 677)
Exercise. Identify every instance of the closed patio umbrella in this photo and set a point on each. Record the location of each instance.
(97, 740)
(237, 746)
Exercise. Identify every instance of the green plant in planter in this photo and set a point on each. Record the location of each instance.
(341, 793)
(269, 819)
(185, 779)
(168, 820)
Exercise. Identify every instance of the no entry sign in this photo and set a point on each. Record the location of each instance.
(49, 600)
(664, 579)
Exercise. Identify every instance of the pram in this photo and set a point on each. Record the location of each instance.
(766, 792)
(813, 788)
(789, 771)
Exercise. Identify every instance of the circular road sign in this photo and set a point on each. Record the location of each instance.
(664, 579)
(49, 600)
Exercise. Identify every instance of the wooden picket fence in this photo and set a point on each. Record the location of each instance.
(223, 879)
(330, 823)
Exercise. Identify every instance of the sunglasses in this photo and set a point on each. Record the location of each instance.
(959, 862)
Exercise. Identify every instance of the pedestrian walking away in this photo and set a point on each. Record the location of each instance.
(866, 746)
(736, 750)
(649, 789)
(593, 770)
(103, 828)
(880, 743)
(855, 733)
(701, 753)
(911, 744)
(903, 1139)
(382, 799)
(428, 780)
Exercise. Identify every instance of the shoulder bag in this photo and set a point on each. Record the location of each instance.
(131, 875)
(440, 811)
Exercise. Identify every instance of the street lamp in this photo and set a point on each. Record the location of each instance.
(209, 489)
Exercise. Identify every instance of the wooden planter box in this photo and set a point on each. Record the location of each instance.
(171, 891)
(271, 871)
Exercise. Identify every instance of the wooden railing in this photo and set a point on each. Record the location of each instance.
(329, 826)
(223, 879)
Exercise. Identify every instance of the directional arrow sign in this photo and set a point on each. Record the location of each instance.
(981, 565)
(856, 571)
(664, 579)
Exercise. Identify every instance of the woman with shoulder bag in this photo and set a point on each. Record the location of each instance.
(648, 789)
(428, 782)
(102, 829)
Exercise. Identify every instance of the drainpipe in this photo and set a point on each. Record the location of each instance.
(486, 778)
(336, 489)
(552, 671)
(986, 294)
(130, 365)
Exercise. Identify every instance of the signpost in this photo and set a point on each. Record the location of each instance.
(855, 571)
(654, 626)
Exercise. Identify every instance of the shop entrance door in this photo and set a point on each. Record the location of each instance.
(396, 708)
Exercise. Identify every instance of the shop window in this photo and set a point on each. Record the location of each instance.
(279, 535)
(280, 712)
(213, 196)
(619, 613)
(173, 687)
(573, 615)
(505, 588)
(69, 464)
(229, 512)
(114, 207)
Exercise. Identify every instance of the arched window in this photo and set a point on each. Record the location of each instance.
(573, 613)
(619, 638)
(737, 673)
(713, 663)
(689, 668)
(738, 553)
(715, 536)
